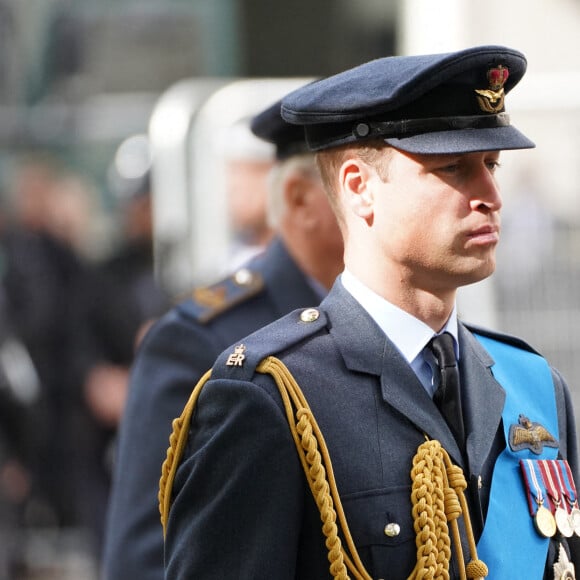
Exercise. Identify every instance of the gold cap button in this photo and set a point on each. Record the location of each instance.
(309, 315)
(392, 530)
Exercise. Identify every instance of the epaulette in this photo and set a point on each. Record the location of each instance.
(239, 361)
(207, 302)
(502, 337)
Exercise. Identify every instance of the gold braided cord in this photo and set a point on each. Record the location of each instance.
(306, 435)
(438, 501)
(437, 493)
(177, 443)
(317, 466)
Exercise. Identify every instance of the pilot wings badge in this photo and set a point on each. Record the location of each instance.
(532, 436)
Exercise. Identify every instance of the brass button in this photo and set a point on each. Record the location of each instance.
(309, 315)
(243, 277)
(392, 530)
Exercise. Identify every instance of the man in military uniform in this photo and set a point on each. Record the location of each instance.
(296, 270)
(357, 412)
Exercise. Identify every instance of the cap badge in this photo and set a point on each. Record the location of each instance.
(491, 100)
(532, 436)
(236, 358)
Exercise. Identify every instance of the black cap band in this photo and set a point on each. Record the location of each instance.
(408, 127)
(319, 136)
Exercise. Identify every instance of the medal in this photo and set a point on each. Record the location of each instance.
(561, 515)
(564, 522)
(543, 519)
(575, 520)
(545, 522)
(569, 491)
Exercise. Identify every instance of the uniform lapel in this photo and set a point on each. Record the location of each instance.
(402, 389)
(357, 336)
(483, 399)
(366, 349)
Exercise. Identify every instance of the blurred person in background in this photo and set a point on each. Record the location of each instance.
(40, 275)
(119, 297)
(19, 397)
(77, 217)
(296, 269)
(248, 161)
(528, 245)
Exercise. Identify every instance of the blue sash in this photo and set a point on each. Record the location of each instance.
(510, 544)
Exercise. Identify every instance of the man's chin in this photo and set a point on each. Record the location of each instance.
(475, 276)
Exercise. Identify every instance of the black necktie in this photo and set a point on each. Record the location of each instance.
(447, 397)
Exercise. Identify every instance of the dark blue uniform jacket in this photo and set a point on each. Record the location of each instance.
(242, 508)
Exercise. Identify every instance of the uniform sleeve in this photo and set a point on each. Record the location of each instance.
(239, 492)
(172, 358)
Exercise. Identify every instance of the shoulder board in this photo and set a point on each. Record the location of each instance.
(239, 361)
(501, 337)
(207, 302)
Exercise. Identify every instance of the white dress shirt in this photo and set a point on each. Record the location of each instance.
(409, 334)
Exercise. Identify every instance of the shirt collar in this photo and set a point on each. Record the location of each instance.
(409, 334)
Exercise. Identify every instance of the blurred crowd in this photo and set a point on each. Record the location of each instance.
(76, 292)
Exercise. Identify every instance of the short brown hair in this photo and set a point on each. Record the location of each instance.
(330, 160)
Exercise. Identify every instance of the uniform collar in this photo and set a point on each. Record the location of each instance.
(409, 334)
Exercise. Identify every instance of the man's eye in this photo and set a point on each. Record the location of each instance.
(452, 168)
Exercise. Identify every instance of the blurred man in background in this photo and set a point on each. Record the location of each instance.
(120, 296)
(20, 392)
(40, 277)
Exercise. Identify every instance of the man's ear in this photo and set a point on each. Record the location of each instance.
(297, 196)
(294, 192)
(355, 186)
